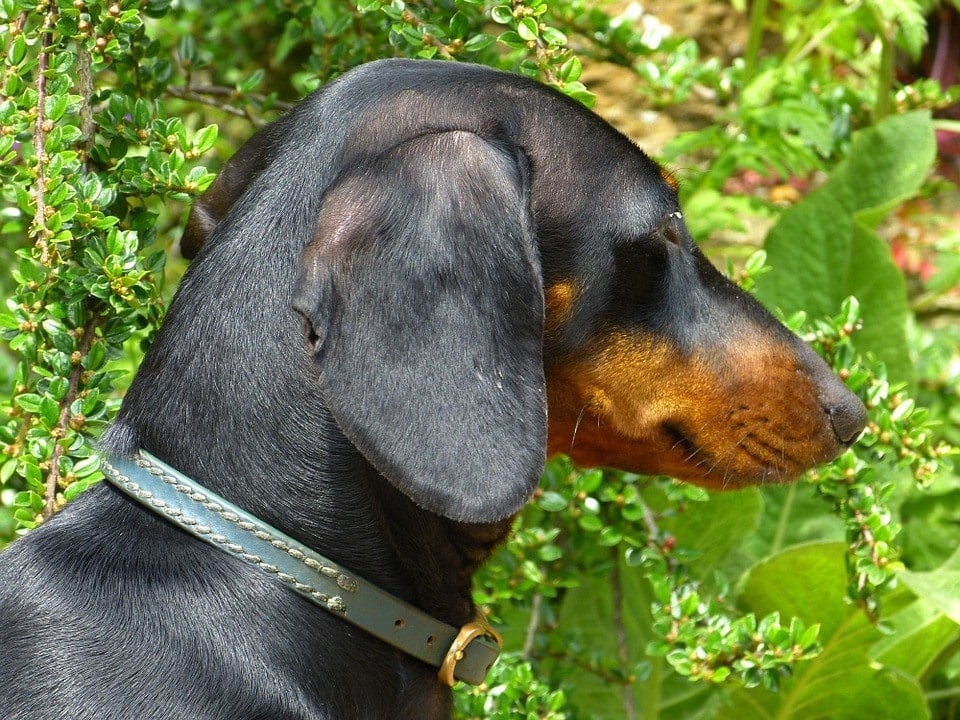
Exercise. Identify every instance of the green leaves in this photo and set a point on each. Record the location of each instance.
(907, 16)
(841, 682)
(826, 249)
(540, 49)
(615, 591)
(632, 580)
(94, 166)
(635, 597)
(512, 691)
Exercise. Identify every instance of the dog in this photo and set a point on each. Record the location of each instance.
(406, 293)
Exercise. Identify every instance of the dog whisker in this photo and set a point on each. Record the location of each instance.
(576, 427)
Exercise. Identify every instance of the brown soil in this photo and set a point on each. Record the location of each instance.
(719, 30)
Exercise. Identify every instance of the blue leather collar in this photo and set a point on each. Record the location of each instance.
(465, 653)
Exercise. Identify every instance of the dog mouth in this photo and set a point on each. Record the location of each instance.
(750, 457)
(745, 447)
(681, 441)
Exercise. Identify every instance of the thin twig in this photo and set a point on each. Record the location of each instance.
(188, 94)
(207, 94)
(532, 626)
(16, 447)
(608, 677)
(653, 530)
(443, 49)
(63, 422)
(623, 654)
(225, 91)
(85, 86)
(39, 132)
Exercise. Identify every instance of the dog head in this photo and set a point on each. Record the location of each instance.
(485, 245)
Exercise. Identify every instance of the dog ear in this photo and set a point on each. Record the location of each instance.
(424, 303)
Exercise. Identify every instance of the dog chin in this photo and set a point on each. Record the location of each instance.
(669, 451)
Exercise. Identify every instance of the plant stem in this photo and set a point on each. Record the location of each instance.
(651, 710)
(63, 423)
(623, 653)
(888, 50)
(942, 694)
(532, 626)
(783, 520)
(39, 132)
(85, 86)
(758, 13)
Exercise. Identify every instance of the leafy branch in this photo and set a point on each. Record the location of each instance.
(77, 194)
(898, 433)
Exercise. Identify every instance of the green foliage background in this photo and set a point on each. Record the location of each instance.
(621, 596)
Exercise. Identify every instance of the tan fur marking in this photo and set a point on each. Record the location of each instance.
(669, 178)
(740, 415)
(558, 303)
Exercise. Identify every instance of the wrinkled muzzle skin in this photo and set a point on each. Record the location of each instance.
(686, 375)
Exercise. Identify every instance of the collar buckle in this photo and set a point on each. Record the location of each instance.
(468, 633)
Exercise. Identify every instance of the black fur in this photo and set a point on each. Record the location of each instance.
(357, 356)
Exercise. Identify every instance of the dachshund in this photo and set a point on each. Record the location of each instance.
(407, 292)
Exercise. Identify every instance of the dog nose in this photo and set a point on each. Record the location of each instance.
(848, 417)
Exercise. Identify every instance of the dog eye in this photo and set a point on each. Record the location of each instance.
(671, 234)
(672, 229)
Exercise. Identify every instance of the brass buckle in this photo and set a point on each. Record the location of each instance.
(468, 633)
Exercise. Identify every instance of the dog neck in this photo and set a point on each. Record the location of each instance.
(438, 557)
(300, 474)
(329, 498)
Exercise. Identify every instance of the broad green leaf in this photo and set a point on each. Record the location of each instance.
(940, 587)
(792, 514)
(782, 583)
(931, 532)
(824, 249)
(841, 683)
(920, 633)
(717, 529)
